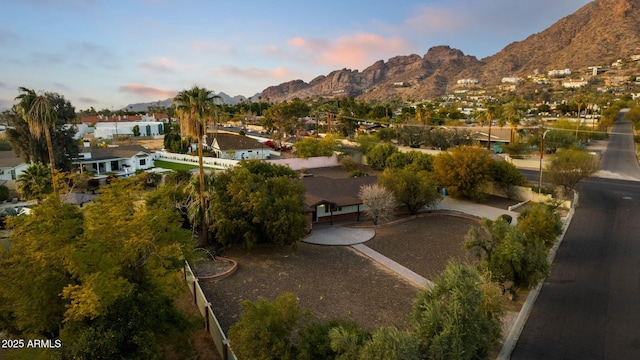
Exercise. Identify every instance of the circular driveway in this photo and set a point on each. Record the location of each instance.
(339, 235)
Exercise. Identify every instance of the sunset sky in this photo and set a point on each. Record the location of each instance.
(111, 53)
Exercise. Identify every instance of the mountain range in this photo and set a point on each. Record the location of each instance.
(597, 34)
(227, 99)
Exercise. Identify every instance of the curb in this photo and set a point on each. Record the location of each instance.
(517, 327)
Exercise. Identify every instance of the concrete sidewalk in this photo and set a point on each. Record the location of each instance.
(475, 209)
(339, 235)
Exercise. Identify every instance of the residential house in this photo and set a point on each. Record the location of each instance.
(499, 135)
(574, 83)
(328, 200)
(11, 166)
(237, 147)
(108, 130)
(122, 160)
(367, 128)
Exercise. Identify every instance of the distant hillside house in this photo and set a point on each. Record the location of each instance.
(557, 73)
(327, 199)
(511, 80)
(119, 160)
(574, 83)
(237, 147)
(467, 81)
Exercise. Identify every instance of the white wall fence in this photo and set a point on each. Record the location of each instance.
(216, 163)
(523, 193)
(309, 163)
(211, 322)
(210, 162)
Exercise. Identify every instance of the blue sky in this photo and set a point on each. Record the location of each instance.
(111, 53)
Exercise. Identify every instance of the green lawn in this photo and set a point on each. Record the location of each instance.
(173, 166)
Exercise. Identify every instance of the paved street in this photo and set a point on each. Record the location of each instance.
(589, 307)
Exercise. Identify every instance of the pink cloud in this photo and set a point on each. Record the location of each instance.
(354, 51)
(254, 73)
(147, 91)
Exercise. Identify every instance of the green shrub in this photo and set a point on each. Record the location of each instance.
(314, 341)
(4, 193)
(506, 217)
(357, 173)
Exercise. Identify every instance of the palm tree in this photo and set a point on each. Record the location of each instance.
(35, 182)
(36, 109)
(513, 112)
(486, 115)
(194, 108)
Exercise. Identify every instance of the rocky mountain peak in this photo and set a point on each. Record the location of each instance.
(596, 35)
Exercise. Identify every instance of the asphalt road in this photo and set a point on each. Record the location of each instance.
(589, 307)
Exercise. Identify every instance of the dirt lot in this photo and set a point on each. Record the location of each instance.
(334, 282)
(338, 282)
(424, 245)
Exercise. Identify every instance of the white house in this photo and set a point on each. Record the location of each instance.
(564, 72)
(107, 130)
(120, 160)
(467, 81)
(574, 83)
(11, 166)
(81, 130)
(237, 147)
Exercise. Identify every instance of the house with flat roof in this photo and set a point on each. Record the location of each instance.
(327, 199)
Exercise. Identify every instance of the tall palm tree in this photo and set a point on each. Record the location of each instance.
(194, 108)
(513, 112)
(493, 110)
(41, 116)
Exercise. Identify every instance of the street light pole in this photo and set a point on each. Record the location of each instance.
(541, 155)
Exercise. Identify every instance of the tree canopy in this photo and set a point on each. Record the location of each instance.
(413, 189)
(377, 155)
(257, 202)
(310, 146)
(460, 317)
(569, 166)
(34, 148)
(101, 279)
(463, 171)
(511, 258)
